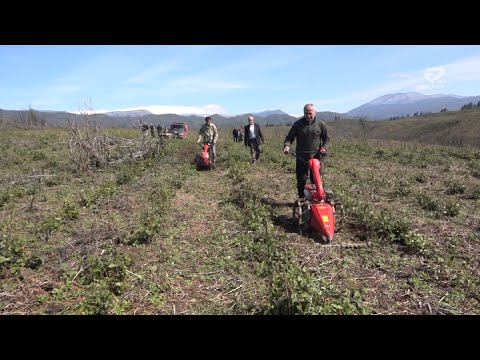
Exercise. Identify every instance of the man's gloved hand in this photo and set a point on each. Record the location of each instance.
(286, 149)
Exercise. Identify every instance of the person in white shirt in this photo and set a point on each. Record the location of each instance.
(254, 139)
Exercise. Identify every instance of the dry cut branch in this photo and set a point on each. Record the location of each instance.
(91, 147)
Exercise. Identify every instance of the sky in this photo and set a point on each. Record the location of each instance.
(228, 79)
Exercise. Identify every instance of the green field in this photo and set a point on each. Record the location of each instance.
(151, 235)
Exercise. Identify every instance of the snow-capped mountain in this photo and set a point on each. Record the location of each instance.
(404, 104)
(269, 112)
(131, 113)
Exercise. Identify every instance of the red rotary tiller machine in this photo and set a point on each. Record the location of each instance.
(317, 211)
(203, 161)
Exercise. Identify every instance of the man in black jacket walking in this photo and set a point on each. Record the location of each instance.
(254, 139)
(312, 141)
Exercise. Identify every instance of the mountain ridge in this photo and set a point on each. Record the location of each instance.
(384, 107)
(407, 104)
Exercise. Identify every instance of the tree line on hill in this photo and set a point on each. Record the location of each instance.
(34, 118)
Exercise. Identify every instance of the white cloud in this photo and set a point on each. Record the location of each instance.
(186, 110)
(464, 69)
(460, 70)
(422, 87)
(152, 72)
(63, 89)
(430, 79)
(201, 83)
(234, 75)
(172, 109)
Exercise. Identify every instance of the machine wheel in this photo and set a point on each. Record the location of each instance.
(197, 161)
(296, 212)
(301, 215)
(339, 214)
(306, 217)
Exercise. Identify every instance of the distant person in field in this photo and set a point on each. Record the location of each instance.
(254, 139)
(240, 135)
(209, 134)
(145, 130)
(159, 130)
(152, 130)
(312, 141)
(235, 134)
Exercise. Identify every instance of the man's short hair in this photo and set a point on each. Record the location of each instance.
(208, 118)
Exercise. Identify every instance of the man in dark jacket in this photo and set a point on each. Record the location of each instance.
(312, 141)
(254, 139)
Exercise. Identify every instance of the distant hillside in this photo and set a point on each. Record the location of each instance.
(269, 112)
(195, 122)
(328, 115)
(461, 127)
(407, 104)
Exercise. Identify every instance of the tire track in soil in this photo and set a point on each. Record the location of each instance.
(196, 212)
